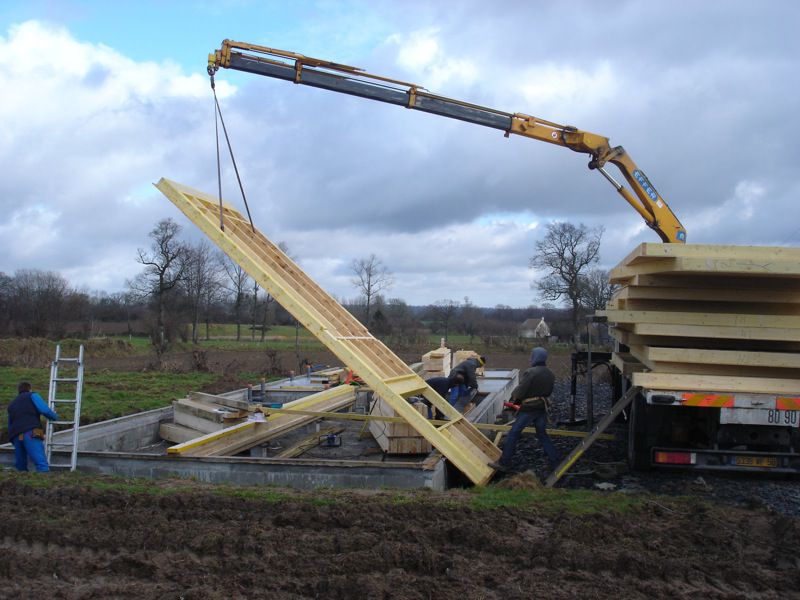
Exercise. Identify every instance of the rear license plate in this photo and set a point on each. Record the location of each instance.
(755, 461)
(760, 416)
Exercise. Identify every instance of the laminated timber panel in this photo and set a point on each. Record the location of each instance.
(710, 383)
(334, 326)
(729, 320)
(629, 338)
(649, 251)
(715, 331)
(737, 291)
(707, 266)
(742, 358)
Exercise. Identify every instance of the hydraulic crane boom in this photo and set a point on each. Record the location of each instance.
(332, 76)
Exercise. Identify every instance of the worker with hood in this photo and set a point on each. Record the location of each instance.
(532, 396)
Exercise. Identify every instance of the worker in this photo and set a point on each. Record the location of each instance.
(460, 397)
(25, 428)
(443, 386)
(532, 396)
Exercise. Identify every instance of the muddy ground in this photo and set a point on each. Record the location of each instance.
(68, 540)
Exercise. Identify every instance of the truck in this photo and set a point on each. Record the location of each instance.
(681, 427)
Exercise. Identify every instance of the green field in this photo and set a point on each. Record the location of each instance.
(107, 395)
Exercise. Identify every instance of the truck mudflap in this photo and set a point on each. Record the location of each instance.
(725, 460)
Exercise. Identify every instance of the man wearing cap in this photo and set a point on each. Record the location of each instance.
(467, 369)
(532, 396)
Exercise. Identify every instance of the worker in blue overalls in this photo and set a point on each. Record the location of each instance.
(25, 428)
(467, 369)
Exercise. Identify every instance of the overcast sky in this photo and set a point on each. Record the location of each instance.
(101, 99)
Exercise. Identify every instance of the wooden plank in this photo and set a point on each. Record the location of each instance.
(709, 383)
(325, 318)
(706, 306)
(731, 320)
(649, 251)
(776, 268)
(238, 438)
(626, 363)
(629, 338)
(177, 434)
(219, 400)
(714, 331)
(683, 368)
(735, 293)
(309, 442)
(742, 358)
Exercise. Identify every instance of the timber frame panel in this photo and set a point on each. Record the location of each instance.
(458, 440)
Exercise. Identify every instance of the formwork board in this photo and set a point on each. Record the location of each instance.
(335, 327)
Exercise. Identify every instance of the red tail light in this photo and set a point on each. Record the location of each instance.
(675, 458)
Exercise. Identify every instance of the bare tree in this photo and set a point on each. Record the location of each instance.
(564, 254)
(201, 280)
(237, 280)
(443, 312)
(470, 319)
(164, 267)
(371, 277)
(38, 302)
(597, 289)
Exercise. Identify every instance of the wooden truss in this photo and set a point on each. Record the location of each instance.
(390, 378)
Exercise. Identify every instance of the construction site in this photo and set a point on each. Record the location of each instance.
(359, 480)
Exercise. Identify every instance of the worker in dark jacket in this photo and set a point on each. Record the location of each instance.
(25, 428)
(460, 397)
(532, 396)
(443, 386)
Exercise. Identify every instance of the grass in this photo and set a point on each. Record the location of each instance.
(551, 501)
(543, 501)
(107, 395)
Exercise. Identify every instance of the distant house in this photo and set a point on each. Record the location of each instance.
(532, 328)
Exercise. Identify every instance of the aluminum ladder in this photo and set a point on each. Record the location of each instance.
(74, 381)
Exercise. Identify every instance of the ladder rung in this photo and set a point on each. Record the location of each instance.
(66, 379)
(64, 400)
(63, 422)
(62, 359)
(61, 444)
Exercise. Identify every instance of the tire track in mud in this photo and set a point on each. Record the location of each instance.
(66, 541)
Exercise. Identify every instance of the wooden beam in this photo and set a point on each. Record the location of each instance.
(741, 358)
(309, 442)
(649, 251)
(712, 331)
(730, 320)
(774, 268)
(736, 293)
(244, 436)
(710, 383)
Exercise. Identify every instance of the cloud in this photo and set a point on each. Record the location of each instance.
(704, 106)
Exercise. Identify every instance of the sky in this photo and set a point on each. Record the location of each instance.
(101, 99)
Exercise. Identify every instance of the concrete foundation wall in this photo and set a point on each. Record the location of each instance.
(253, 471)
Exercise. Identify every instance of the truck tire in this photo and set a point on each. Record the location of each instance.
(638, 442)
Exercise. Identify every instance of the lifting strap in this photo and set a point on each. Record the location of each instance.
(218, 119)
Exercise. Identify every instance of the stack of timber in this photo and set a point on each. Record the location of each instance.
(327, 376)
(462, 355)
(709, 318)
(397, 438)
(200, 413)
(436, 363)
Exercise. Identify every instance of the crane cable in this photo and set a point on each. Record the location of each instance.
(218, 119)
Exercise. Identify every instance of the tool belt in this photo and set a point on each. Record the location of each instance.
(37, 433)
(535, 403)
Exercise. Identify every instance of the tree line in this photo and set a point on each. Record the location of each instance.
(184, 287)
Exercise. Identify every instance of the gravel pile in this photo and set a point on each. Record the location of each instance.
(604, 465)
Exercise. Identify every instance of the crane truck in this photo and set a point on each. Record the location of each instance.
(763, 437)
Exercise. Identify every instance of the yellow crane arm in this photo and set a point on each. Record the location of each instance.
(345, 79)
